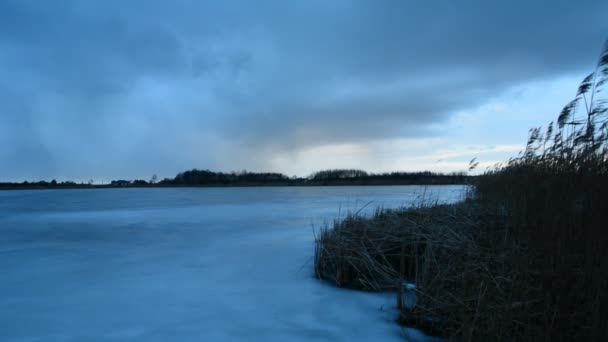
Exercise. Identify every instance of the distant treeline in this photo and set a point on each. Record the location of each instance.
(74, 185)
(206, 177)
(360, 177)
(244, 178)
(326, 177)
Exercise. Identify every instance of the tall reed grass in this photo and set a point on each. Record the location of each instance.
(524, 257)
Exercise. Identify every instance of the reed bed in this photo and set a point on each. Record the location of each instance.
(523, 258)
(443, 249)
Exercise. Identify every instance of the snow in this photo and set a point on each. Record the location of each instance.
(190, 264)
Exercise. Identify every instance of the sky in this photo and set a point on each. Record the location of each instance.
(127, 89)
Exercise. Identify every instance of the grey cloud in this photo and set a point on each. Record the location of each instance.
(145, 83)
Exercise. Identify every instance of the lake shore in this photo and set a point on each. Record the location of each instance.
(522, 258)
(18, 186)
(206, 178)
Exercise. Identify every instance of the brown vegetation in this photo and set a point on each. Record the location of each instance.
(524, 258)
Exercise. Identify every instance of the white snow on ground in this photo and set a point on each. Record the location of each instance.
(192, 264)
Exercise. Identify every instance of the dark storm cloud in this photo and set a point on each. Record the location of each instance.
(131, 87)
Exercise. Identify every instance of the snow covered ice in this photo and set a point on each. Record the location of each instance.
(188, 264)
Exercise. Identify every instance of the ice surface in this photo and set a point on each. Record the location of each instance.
(190, 264)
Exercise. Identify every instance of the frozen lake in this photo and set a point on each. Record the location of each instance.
(187, 264)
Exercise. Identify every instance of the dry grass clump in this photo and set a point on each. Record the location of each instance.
(463, 281)
(369, 254)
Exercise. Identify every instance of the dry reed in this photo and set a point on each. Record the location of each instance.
(524, 257)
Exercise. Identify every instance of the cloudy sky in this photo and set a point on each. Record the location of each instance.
(127, 89)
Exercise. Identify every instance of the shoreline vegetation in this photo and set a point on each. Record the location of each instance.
(523, 258)
(206, 178)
